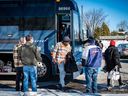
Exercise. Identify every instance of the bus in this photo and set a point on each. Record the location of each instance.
(48, 21)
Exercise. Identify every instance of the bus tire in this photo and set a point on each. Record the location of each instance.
(44, 73)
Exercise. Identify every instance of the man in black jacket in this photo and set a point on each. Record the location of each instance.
(112, 59)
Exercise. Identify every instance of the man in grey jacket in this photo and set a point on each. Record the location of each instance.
(29, 56)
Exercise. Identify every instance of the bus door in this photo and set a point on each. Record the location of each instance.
(63, 26)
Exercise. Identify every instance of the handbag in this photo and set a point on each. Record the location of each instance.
(70, 63)
(114, 74)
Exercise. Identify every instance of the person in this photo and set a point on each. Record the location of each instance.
(29, 55)
(59, 54)
(18, 64)
(91, 61)
(112, 59)
(99, 43)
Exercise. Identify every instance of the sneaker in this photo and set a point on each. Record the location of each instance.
(63, 89)
(59, 86)
(121, 86)
(109, 88)
(25, 94)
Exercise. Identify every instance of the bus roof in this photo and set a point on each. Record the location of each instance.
(18, 8)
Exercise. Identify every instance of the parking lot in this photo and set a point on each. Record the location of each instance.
(73, 88)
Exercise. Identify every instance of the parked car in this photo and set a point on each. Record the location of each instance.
(123, 49)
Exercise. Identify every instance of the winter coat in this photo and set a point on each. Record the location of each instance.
(112, 58)
(92, 54)
(60, 51)
(29, 54)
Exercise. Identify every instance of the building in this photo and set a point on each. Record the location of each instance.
(119, 39)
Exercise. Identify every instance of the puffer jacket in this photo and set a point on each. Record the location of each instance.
(112, 58)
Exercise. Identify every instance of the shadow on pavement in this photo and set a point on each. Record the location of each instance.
(124, 72)
(78, 81)
(5, 86)
(102, 88)
(124, 60)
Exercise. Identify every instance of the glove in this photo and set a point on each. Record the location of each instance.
(104, 69)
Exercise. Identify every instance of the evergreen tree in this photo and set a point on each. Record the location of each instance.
(98, 32)
(102, 31)
(105, 29)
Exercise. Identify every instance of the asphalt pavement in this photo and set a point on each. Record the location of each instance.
(73, 88)
(51, 92)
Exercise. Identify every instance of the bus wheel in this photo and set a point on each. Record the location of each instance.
(41, 71)
(44, 72)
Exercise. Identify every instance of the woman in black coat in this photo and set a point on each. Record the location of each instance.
(112, 58)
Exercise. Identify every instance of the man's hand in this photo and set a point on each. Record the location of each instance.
(54, 60)
(116, 67)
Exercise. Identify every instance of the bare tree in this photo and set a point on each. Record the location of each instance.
(123, 25)
(93, 19)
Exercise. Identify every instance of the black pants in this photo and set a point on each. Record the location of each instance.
(19, 77)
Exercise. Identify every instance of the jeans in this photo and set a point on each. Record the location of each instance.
(91, 79)
(19, 77)
(62, 74)
(30, 71)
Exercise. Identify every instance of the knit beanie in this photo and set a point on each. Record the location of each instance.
(112, 43)
(91, 41)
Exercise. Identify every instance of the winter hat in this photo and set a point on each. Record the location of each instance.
(66, 39)
(91, 40)
(112, 43)
(28, 37)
